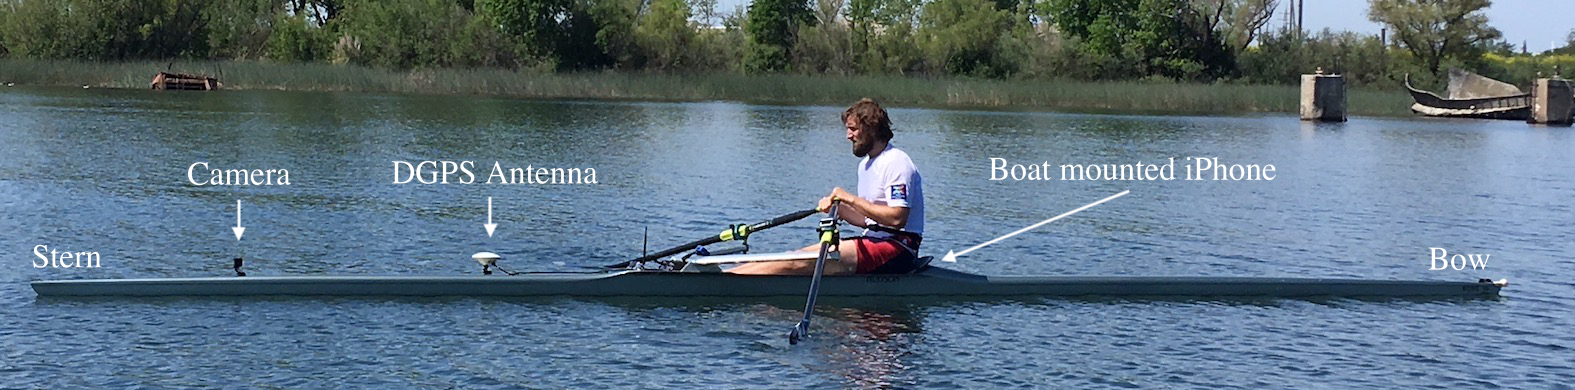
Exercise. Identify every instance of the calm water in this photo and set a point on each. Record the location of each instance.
(105, 171)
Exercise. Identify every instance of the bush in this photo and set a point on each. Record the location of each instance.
(240, 29)
(1522, 69)
(404, 34)
(1282, 57)
(294, 40)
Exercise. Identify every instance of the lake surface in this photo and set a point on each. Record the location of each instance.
(106, 171)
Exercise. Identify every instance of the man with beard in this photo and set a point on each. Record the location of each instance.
(889, 205)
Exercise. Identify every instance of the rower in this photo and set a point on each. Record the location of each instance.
(889, 205)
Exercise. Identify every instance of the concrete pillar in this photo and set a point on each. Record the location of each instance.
(1551, 102)
(1323, 97)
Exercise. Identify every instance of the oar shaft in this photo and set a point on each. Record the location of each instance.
(762, 225)
(830, 237)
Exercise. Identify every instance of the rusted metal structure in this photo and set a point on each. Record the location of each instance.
(182, 81)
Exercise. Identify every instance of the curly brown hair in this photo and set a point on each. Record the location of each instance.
(871, 118)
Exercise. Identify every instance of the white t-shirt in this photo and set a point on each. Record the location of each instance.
(892, 180)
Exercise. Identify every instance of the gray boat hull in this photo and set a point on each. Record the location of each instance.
(931, 282)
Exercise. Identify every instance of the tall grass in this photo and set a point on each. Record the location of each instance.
(1147, 97)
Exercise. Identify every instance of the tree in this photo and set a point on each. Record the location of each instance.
(826, 46)
(1237, 21)
(770, 29)
(893, 47)
(536, 22)
(1103, 26)
(1177, 42)
(615, 26)
(294, 40)
(704, 12)
(960, 36)
(240, 29)
(1161, 37)
(861, 19)
(106, 30)
(1436, 30)
(403, 34)
(664, 33)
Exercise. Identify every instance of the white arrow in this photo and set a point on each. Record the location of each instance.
(952, 256)
(238, 229)
(490, 226)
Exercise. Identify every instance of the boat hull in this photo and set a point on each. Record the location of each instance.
(932, 282)
(1511, 104)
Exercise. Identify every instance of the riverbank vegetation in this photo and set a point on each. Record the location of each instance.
(1054, 94)
(1147, 55)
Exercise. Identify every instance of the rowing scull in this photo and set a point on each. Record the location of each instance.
(932, 281)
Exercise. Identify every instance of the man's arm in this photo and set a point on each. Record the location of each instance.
(847, 213)
(858, 209)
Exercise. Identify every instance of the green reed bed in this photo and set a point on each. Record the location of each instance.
(1122, 96)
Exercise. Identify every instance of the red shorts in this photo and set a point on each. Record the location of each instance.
(884, 255)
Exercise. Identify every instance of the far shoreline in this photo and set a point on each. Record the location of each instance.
(1105, 97)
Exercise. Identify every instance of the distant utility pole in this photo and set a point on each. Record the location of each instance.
(1290, 17)
(1383, 48)
(1293, 17)
(1301, 9)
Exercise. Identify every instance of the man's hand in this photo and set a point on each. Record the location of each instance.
(824, 205)
(840, 193)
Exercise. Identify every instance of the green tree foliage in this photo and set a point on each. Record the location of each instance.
(893, 47)
(860, 15)
(406, 34)
(615, 30)
(717, 47)
(826, 46)
(106, 30)
(537, 23)
(960, 36)
(1237, 22)
(561, 32)
(666, 35)
(1286, 55)
(1199, 40)
(722, 48)
(770, 29)
(1161, 37)
(1177, 43)
(240, 29)
(577, 47)
(1101, 26)
(1437, 30)
(294, 40)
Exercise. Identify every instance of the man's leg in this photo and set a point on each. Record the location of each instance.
(849, 263)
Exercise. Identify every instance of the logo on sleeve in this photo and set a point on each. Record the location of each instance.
(899, 191)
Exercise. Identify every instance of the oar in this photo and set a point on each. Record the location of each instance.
(830, 236)
(736, 232)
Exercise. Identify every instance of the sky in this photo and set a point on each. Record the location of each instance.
(1538, 23)
(1541, 24)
